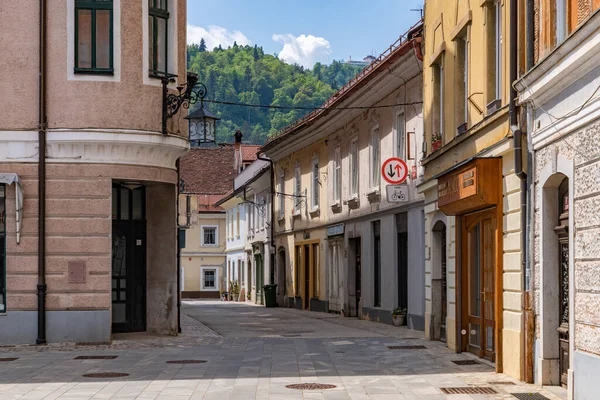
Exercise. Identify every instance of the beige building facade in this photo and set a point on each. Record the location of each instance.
(91, 250)
(473, 184)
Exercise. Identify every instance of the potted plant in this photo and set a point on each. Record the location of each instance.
(399, 316)
(234, 289)
(436, 142)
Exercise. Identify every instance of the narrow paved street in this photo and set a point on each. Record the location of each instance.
(241, 351)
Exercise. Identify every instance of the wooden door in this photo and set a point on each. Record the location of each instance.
(478, 273)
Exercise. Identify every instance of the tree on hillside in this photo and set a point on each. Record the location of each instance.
(202, 47)
(245, 74)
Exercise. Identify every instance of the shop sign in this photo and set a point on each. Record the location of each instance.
(335, 230)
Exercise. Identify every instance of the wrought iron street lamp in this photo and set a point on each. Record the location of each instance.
(202, 123)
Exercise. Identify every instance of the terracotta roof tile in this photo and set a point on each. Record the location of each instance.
(206, 202)
(249, 152)
(208, 171)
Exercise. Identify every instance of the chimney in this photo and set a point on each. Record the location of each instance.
(237, 149)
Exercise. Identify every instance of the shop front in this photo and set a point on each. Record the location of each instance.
(472, 193)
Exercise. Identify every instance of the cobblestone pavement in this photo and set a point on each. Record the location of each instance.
(250, 352)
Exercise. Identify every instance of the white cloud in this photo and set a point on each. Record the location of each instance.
(303, 50)
(215, 36)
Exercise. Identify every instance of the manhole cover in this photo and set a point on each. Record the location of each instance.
(186, 362)
(501, 383)
(530, 396)
(466, 362)
(406, 347)
(469, 390)
(106, 375)
(310, 386)
(8, 359)
(95, 357)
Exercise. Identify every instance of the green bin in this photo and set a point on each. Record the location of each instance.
(270, 295)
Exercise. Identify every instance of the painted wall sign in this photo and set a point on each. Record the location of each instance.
(335, 230)
(394, 170)
(397, 193)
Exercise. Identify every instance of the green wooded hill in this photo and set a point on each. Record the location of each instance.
(245, 74)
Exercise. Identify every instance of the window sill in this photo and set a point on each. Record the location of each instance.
(353, 203)
(336, 208)
(374, 196)
(161, 75)
(296, 214)
(93, 71)
(315, 212)
(492, 107)
(209, 245)
(281, 219)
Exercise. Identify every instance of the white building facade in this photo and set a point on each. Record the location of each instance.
(563, 119)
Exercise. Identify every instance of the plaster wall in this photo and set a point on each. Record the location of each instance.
(161, 275)
(68, 104)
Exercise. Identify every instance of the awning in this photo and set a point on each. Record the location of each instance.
(9, 179)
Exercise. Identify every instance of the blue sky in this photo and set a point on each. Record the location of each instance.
(303, 31)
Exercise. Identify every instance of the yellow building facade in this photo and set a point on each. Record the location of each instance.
(474, 272)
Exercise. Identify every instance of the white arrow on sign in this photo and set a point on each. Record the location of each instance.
(394, 170)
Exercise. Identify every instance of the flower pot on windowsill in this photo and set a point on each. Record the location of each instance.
(436, 145)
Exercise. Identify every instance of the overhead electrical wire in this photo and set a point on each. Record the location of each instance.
(231, 103)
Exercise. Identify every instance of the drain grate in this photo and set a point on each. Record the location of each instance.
(469, 390)
(95, 357)
(106, 375)
(311, 386)
(8, 359)
(92, 343)
(530, 396)
(466, 362)
(501, 383)
(186, 362)
(406, 347)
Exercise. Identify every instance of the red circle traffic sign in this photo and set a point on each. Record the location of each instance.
(394, 170)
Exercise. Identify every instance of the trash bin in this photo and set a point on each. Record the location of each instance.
(270, 295)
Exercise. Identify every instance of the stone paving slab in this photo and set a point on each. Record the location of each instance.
(243, 362)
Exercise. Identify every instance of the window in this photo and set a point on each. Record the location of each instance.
(400, 136)
(297, 189)
(260, 200)
(494, 54)
(2, 249)
(281, 194)
(315, 184)
(354, 168)
(237, 221)
(94, 36)
(438, 104)
(375, 163)
(462, 82)
(337, 176)
(334, 260)
(158, 19)
(209, 236)
(210, 279)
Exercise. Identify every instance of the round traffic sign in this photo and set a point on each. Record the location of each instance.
(394, 170)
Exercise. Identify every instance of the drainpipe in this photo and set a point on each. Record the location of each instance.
(417, 48)
(522, 175)
(41, 286)
(178, 253)
(272, 223)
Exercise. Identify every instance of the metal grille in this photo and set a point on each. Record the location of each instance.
(501, 383)
(186, 362)
(95, 357)
(406, 347)
(311, 386)
(466, 362)
(8, 359)
(469, 390)
(530, 396)
(106, 375)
